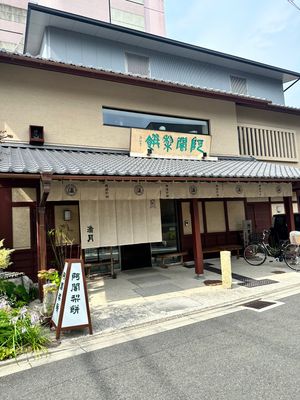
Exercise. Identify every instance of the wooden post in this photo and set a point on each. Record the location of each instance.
(298, 199)
(197, 245)
(288, 207)
(41, 227)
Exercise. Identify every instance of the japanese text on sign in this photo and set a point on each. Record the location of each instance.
(169, 144)
(75, 307)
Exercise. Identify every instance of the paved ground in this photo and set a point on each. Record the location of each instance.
(143, 302)
(141, 296)
(242, 355)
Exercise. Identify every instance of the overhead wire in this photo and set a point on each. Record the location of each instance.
(292, 2)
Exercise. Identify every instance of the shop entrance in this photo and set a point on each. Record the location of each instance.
(136, 256)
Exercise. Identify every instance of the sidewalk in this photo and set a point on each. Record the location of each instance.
(142, 296)
(144, 302)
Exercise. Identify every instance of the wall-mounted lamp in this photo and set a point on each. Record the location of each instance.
(162, 128)
(67, 215)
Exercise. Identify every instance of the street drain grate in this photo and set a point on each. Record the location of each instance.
(278, 272)
(261, 305)
(252, 283)
(212, 282)
(246, 281)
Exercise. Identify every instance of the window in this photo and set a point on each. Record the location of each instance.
(215, 216)
(21, 228)
(127, 19)
(133, 119)
(138, 65)
(238, 85)
(236, 215)
(13, 14)
(267, 143)
(101, 254)
(169, 228)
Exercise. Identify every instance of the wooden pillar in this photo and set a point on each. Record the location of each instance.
(42, 238)
(41, 227)
(288, 207)
(197, 245)
(298, 199)
(6, 216)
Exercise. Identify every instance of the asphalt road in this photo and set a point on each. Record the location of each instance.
(244, 355)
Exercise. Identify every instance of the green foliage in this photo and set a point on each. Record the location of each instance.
(4, 256)
(20, 331)
(51, 275)
(16, 294)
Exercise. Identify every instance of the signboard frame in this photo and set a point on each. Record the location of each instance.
(140, 148)
(59, 328)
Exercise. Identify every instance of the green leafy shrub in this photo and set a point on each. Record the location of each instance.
(4, 256)
(20, 331)
(16, 294)
(51, 275)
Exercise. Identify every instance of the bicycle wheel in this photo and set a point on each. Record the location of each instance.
(255, 254)
(291, 254)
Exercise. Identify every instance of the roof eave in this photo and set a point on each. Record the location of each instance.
(158, 178)
(54, 66)
(287, 75)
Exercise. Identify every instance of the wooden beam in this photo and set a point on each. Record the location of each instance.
(197, 245)
(45, 188)
(139, 178)
(288, 207)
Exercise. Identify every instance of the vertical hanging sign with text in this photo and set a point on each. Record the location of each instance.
(71, 310)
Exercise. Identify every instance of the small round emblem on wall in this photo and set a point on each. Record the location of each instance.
(278, 189)
(193, 190)
(139, 190)
(70, 189)
(238, 189)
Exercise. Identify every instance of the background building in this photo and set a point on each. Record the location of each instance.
(143, 15)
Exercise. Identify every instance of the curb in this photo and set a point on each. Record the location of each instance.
(73, 344)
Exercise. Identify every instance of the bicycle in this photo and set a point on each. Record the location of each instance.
(256, 253)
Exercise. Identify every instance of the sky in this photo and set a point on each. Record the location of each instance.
(267, 31)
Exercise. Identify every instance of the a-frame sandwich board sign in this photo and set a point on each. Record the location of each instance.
(71, 310)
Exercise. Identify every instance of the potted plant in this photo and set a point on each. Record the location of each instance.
(50, 289)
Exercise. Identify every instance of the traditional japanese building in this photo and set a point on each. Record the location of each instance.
(140, 144)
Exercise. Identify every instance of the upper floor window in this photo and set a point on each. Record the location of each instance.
(137, 64)
(133, 119)
(267, 143)
(238, 85)
(126, 18)
(13, 14)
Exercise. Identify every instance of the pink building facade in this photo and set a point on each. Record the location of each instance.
(143, 15)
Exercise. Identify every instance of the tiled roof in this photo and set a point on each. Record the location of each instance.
(107, 74)
(21, 56)
(25, 159)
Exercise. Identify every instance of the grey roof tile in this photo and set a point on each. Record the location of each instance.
(63, 161)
